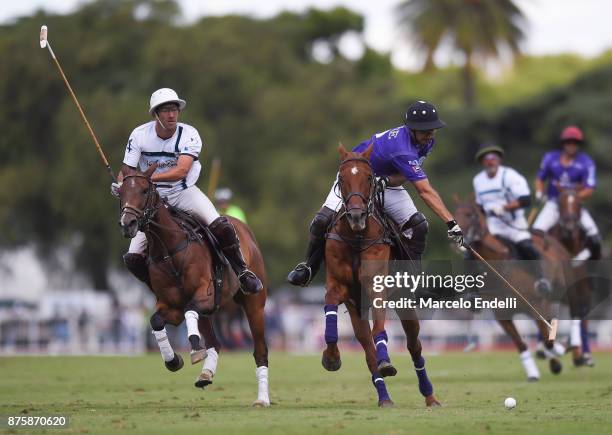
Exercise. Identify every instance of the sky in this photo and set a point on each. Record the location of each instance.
(555, 26)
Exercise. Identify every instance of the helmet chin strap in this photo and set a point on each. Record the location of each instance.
(160, 122)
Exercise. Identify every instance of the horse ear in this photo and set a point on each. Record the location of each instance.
(150, 170)
(456, 198)
(343, 152)
(368, 152)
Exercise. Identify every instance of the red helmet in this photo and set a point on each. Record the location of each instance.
(572, 133)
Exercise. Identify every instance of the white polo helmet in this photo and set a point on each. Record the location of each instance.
(165, 95)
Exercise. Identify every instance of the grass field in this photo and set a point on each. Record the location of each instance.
(137, 394)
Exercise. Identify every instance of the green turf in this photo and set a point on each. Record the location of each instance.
(137, 394)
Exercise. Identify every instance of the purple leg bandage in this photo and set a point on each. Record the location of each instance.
(331, 324)
(425, 386)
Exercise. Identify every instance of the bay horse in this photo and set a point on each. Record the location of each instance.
(472, 220)
(357, 235)
(570, 233)
(187, 276)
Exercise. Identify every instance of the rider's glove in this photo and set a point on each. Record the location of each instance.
(540, 197)
(496, 210)
(115, 189)
(455, 233)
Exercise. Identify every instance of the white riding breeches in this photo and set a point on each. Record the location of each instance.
(398, 203)
(191, 200)
(549, 216)
(514, 230)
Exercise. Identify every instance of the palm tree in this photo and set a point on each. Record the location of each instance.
(479, 29)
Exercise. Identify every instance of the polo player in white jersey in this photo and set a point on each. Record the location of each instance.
(503, 193)
(175, 148)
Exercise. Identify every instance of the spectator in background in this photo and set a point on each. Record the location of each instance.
(223, 198)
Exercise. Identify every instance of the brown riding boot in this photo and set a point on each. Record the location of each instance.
(137, 264)
(225, 233)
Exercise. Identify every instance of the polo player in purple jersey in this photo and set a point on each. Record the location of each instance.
(568, 167)
(397, 157)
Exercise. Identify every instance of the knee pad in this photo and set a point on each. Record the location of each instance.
(320, 222)
(224, 231)
(415, 230)
(527, 251)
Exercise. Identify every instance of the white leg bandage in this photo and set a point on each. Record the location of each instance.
(263, 394)
(531, 369)
(575, 338)
(191, 319)
(210, 363)
(165, 348)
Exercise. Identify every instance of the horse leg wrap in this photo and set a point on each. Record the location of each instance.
(210, 363)
(193, 333)
(380, 340)
(531, 369)
(331, 324)
(263, 394)
(575, 333)
(165, 348)
(425, 386)
(381, 388)
(137, 265)
(584, 334)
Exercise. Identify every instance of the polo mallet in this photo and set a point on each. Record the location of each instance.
(552, 325)
(213, 178)
(532, 215)
(44, 42)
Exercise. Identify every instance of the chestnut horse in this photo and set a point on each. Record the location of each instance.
(569, 232)
(476, 234)
(357, 235)
(181, 270)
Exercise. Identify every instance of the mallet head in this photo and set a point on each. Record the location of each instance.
(43, 36)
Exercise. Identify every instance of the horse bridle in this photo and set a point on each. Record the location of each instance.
(367, 200)
(143, 216)
(566, 220)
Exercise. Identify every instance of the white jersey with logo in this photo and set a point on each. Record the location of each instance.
(507, 185)
(145, 147)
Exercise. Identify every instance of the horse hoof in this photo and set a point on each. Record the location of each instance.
(532, 379)
(331, 365)
(540, 354)
(175, 364)
(385, 368)
(555, 366)
(260, 404)
(385, 403)
(204, 380)
(197, 356)
(432, 402)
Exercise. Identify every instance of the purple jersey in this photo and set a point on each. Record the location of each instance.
(581, 172)
(395, 153)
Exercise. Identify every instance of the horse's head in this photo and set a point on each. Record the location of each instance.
(137, 197)
(356, 183)
(471, 219)
(569, 209)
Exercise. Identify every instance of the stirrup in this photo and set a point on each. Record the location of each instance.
(304, 266)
